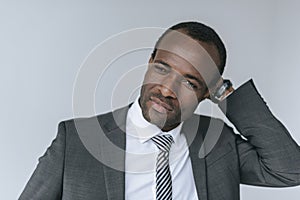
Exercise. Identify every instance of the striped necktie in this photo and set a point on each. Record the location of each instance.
(163, 174)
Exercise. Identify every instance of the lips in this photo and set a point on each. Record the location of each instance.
(159, 105)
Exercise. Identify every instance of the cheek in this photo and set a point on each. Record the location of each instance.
(150, 79)
(189, 98)
(147, 82)
(188, 104)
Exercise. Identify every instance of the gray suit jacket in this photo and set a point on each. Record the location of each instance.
(70, 169)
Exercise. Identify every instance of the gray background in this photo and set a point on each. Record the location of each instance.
(43, 43)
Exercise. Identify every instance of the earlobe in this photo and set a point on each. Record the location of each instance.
(206, 95)
(150, 60)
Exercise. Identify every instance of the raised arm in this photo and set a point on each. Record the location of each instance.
(269, 157)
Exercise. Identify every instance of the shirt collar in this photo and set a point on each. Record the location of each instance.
(143, 130)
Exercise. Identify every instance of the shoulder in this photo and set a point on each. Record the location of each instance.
(108, 121)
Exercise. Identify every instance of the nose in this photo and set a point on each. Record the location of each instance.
(169, 86)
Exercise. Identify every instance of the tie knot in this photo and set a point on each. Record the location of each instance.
(163, 142)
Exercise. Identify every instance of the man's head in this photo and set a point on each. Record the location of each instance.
(186, 60)
(199, 32)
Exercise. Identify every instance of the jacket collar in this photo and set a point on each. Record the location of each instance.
(114, 128)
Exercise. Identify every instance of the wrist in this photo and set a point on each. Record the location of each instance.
(227, 93)
(222, 91)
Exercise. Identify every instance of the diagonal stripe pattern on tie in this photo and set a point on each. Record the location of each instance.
(163, 174)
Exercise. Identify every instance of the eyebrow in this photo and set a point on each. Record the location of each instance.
(188, 76)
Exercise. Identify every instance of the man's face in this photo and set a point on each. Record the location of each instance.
(173, 87)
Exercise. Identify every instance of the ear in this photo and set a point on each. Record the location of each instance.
(150, 60)
(206, 95)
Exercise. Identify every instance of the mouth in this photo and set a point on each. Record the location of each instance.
(160, 106)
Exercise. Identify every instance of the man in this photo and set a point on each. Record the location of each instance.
(156, 148)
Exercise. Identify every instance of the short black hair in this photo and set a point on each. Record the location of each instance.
(200, 32)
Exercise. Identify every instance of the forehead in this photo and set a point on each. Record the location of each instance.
(177, 63)
(201, 55)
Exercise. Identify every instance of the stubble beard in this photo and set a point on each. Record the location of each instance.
(165, 121)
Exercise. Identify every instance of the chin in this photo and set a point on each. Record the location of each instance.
(163, 120)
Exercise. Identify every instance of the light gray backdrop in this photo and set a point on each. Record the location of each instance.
(43, 43)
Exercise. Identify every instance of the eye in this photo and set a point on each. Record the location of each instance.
(190, 85)
(161, 69)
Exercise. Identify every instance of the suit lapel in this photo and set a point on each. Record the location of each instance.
(194, 133)
(115, 158)
(114, 174)
(199, 171)
(113, 153)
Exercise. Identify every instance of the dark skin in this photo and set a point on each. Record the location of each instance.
(173, 87)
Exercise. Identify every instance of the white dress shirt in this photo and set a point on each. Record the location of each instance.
(140, 160)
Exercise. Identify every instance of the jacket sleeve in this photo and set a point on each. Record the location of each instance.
(268, 156)
(46, 180)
